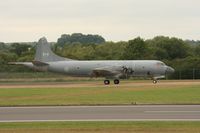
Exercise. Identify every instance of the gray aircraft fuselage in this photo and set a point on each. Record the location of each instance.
(85, 68)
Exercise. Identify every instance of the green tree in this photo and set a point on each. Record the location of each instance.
(19, 48)
(136, 49)
(79, 38)
(2, 46)
(197, 51)
(169, 48)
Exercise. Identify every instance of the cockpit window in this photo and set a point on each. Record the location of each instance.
(160, 64)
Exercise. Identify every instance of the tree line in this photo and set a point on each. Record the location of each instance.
(183, 55)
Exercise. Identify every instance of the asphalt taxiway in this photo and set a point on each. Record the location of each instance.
(101, 113)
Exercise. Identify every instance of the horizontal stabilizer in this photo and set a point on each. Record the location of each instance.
(39, 63)
(17, 63)
(27, 64)
(36, 65)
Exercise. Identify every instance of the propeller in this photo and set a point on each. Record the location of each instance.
(127, 71)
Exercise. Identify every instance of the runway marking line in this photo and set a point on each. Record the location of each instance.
(97, 120)
(134, 106)
(172, 111)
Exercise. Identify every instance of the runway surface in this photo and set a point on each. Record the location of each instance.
(101, 113)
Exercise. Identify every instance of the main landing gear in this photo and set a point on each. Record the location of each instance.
(107, 82)
(116, 81)
(155, 81)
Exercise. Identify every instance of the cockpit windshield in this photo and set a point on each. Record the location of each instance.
(160, 64)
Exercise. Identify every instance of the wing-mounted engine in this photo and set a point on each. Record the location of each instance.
(127, 71)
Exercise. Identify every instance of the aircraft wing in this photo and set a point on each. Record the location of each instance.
(111, 71)
(103, 72)
(159, 77)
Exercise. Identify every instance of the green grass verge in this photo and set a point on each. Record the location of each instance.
(101, 95)
(101, 127)
(38, 77)
(25, 75)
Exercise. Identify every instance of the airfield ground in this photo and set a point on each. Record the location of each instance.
(95, 93)
(101, 127)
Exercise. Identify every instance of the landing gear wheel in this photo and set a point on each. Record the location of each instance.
(155, 81)
(116, 81)
(106, 82)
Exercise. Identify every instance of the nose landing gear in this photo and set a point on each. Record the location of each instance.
(155, 81)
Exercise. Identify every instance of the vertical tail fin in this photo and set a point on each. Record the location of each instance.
(45, 54)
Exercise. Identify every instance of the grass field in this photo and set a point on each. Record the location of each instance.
(39, 77)
(93, 93)
(101, 127)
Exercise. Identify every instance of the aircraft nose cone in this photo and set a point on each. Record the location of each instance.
(170, 70)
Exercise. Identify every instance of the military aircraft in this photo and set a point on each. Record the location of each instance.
(46, 60)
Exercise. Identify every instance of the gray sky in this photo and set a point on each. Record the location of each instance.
(28, 20)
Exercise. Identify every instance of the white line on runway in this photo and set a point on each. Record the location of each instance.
(172, 111)
(103, 106)
(98, 120)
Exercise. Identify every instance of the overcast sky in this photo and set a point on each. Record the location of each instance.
(115, 20)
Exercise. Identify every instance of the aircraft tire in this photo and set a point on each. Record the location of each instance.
(106, 82)
(155, 81)
(116, 81)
